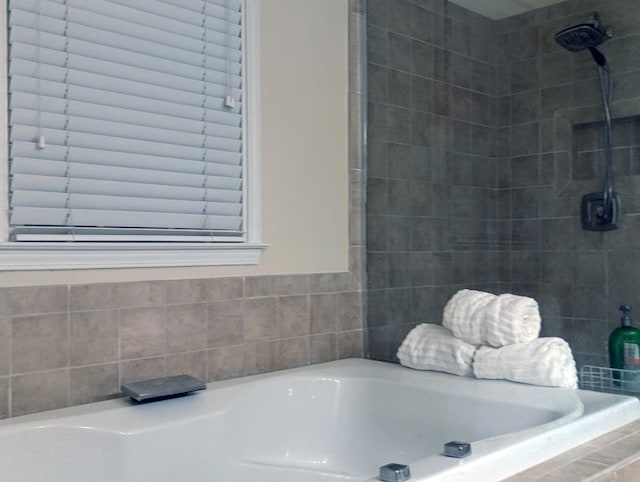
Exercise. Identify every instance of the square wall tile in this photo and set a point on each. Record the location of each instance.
(293, 352)
(145, 293)
(93, 337)
(293, 316)
(223, 289)
(323, 314)
(143, 332)
(261, 319)
(40, 343)
(193, 363)
(323, 348)
(93, 384)
(39, 391)
(225, 323)
(349, 311)
(185, 291)
(142, 369)
(350, 344)
(260, 357)
(186, 327)
(91, 297)
(37, 300)
(225, 362)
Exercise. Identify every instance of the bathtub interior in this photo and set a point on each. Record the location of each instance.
(311, 425)
(350, 427)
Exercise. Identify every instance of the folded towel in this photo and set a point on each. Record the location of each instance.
(486, 319)
(433, 347)
(543, 361)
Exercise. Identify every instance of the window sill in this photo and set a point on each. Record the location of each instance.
(51, 256)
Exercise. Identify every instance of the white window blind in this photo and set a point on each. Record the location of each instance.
(126, 120)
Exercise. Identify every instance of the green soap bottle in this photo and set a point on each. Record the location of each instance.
(624, 351)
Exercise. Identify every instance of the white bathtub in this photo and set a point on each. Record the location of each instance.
(333, 422)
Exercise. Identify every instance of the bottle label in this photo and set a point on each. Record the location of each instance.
(631, 356)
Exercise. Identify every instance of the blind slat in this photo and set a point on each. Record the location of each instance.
(216, 190)
(111, 143)
(87, 217)
(113, 33)
(186, 20)
(189, 105)
(219, 175)
(87, 56)
(121, 203)
(211, 163)
(222, 138)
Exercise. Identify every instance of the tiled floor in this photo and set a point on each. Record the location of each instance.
(612, 457)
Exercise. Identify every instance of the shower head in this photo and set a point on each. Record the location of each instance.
(585, 36)
(580, 37)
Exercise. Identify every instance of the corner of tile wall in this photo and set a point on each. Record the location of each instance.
(432, 163)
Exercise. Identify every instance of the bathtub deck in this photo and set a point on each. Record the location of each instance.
(614, 456)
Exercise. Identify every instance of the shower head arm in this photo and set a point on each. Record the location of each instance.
(598, 57)
(604, 73)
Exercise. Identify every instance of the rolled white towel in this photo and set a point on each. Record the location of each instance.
(433, 347)
(465, 313)
(543, 361)
(483, 318)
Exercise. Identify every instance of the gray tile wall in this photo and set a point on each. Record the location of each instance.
(483, 137)
(68, 345)
(432, 168)
(551, 113)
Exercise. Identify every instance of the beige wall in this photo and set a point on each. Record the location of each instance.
(304, 154)
(304, 135)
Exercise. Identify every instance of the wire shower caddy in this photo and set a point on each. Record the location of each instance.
(610, 380)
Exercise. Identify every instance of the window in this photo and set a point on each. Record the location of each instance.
(130, 128)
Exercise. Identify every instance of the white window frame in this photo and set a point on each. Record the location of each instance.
(19, 256)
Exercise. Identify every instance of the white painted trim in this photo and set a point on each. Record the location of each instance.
(49, 256)
(252, 138)
(23, 256)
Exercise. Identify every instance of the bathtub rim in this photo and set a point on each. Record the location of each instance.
(362, 369)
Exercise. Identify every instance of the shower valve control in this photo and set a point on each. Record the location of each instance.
(595, 215)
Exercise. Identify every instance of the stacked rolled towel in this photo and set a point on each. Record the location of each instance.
(486, 319)
(494, 337)
(543, 361)
(433, 347)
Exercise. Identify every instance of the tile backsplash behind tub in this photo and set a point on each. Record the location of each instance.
(68, 345)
